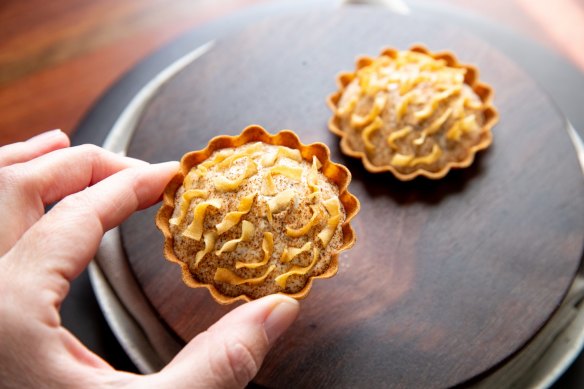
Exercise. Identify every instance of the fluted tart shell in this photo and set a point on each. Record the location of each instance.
(412, 113)
(257, 214)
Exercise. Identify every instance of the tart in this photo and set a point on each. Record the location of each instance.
(257, 214)
(412, 113)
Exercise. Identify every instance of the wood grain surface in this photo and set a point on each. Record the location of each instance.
(448, 278)
(57, 57)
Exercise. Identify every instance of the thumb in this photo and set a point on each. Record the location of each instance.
(230, 353)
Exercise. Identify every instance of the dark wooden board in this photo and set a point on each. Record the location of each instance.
(448, 278)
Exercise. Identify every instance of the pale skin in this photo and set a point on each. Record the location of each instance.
(40, 254)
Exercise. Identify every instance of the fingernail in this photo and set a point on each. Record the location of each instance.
(281, 317)
(45, 136)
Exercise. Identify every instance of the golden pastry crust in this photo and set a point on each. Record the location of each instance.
(413, 113)
(257, 214)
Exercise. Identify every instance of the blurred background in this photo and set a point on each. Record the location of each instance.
(58, 57)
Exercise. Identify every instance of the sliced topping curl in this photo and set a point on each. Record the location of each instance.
(232, 218)
(195, 229)
(187, 197)
(368, 132)
(247, 231)
(209, 238)
(435, 101)
(279, 202)
(281, 152)
(378, 105)
(294, 173)
(299, 270)
(332, 205)
(223, 184)
(248, 152)
(314, 219)
(268, 249)
(290, 252)
(229, 277)
(398, 135)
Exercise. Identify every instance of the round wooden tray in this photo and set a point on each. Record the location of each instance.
(448, 278)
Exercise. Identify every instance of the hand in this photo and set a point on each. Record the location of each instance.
(41, 253)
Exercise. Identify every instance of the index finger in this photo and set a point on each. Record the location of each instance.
(61, 244)
(27, 187)
(32, 148)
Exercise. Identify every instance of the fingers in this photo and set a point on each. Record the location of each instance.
(27, 187)
(230, 353)
(61, 244)
(32, 148)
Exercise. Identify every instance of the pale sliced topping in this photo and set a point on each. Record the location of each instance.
(378, 105)
(458, 110)
(269, 188)
(398, 135)
(248, 152)
(247, 231)
(232, 218)
(472, 104)
(294, 173)
(270, 158)
(314, 219)
(462, 126)
(281, 152)
(420, 140)
(409, 82)
(290, 252)
(312, 177)
(428, 159)
(187, 197)
(410, 160)
(455, 132)
(292, 154)
(219, 156)
(298, 270)
(376, 84)
(433, 65)
(401, 160)
(229, 277)
(405, 101)
(368, 132)
(209, 238)
(469, 124)
(268, 249)
(435, 126)
(332, 205)
(348, 107)
(279, 202)
(195, 229)
(291, 172)
(194, 175)
(190, 178)
(223, 184)
(316, 164)
(435, 101)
